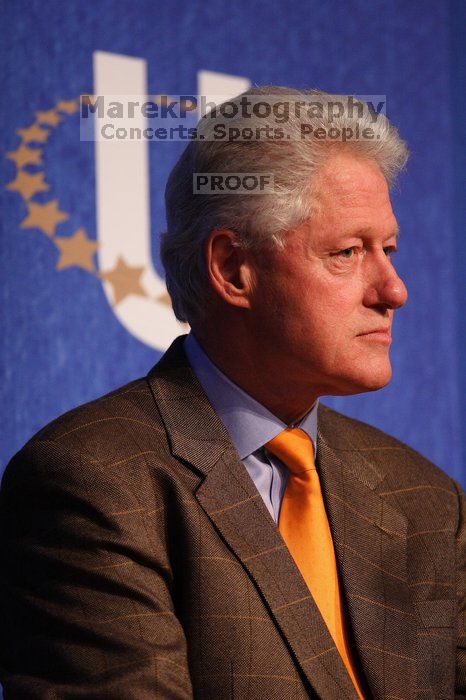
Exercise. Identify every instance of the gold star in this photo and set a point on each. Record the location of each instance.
(124, 280)
(45, 217)
(77, 250)
(25, 156)
(50, 117)
(27, 185)
(33, 133)
(164, 299)
(70, 106)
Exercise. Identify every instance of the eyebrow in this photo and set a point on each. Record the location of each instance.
(364, 231)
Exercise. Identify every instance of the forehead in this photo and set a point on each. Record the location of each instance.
(349, 188)
(349, 178)
(343, 168)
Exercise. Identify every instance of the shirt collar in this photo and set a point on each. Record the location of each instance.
(250, 424)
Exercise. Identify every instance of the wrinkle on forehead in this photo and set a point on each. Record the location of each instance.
(338, 174)
(349, 182)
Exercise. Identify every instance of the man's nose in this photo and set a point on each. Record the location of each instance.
(386, 288)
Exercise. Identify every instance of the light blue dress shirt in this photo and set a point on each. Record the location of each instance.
(249, 424)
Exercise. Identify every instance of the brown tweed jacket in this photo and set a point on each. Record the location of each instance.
(139, 561)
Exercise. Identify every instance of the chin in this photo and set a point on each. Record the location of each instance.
(374, 371)
(376, 380)
(364, 381)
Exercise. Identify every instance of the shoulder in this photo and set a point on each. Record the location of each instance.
(106, 415)
(398, 463)
(121, 415)
(109, 435)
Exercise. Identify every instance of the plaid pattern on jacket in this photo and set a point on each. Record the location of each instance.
(139, 561)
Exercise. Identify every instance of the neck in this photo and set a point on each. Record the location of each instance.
(257, 375)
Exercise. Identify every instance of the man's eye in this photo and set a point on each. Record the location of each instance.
(347, 253)
(389, 251)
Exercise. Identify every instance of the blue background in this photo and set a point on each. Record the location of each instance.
(62, 345)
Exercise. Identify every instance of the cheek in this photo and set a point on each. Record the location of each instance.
(284, 301)
(311, 307)
(333, 306)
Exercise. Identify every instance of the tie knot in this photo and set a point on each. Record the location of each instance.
(294, 448)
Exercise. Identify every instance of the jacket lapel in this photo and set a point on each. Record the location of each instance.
(235, 507)
(370, 539)
(231, 501)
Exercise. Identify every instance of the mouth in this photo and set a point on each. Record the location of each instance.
(377, 335)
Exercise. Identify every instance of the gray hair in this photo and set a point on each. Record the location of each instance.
(260, 219)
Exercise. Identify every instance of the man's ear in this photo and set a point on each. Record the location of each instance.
(229, 268)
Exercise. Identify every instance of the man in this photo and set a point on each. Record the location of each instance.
(210, 531)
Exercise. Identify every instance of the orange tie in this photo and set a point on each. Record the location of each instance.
(304, 526)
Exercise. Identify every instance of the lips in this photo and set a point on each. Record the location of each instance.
(385, 329)
(381, 335)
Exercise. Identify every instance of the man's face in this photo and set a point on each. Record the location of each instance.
(323, 308)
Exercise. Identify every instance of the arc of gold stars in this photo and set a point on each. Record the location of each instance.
(77, 250)
(45, 217)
